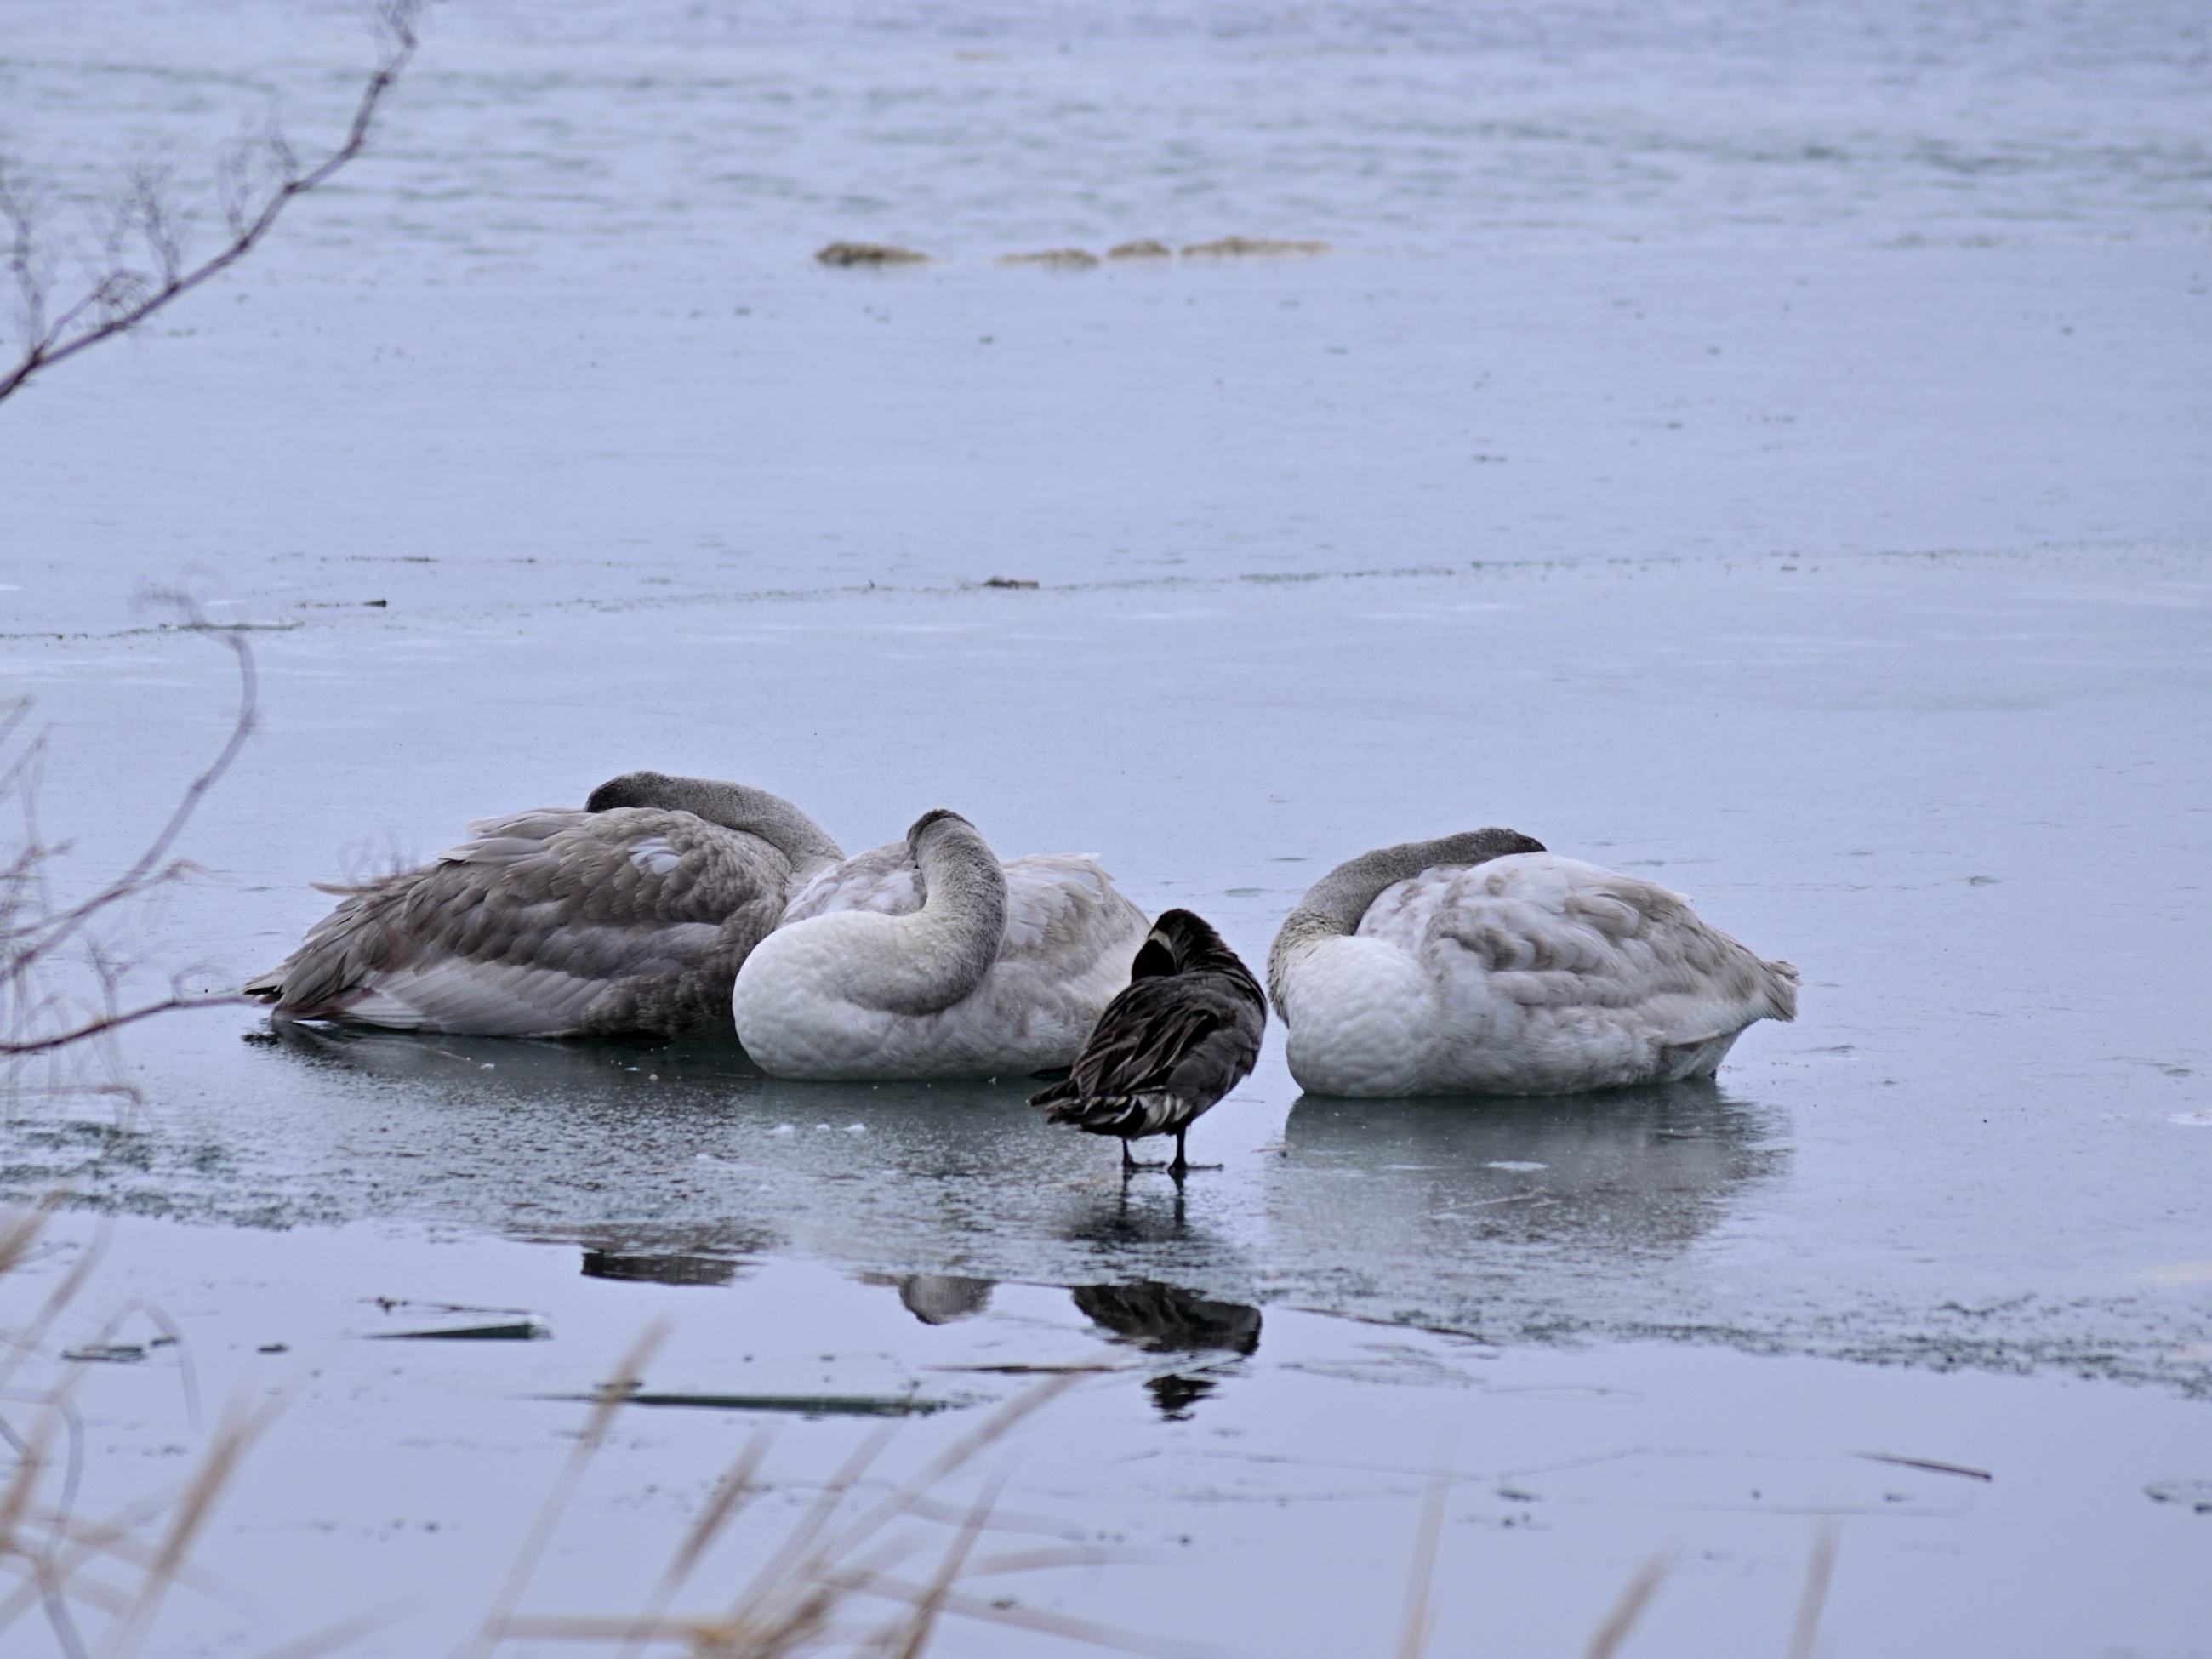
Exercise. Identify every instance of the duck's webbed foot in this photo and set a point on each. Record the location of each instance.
(1130, 1162)
(1182, 1165)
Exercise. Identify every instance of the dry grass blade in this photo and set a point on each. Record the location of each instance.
(989, 1432)
(794, 1592)
(611, 1396)
(737, 1487)
(800, 1599)
(908, 1642)
(1420, 1613)
(233, 1438)
(20, 1230)
(1818, 1571)
(783, 1569)
(26, 1341)
(1628, 1608)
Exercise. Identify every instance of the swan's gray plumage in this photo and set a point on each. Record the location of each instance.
(1471, 965)
(631, 915)
(928, 958)
(1333, 906)
(1184, 1032)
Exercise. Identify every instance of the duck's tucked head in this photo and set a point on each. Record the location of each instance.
(1180, 941)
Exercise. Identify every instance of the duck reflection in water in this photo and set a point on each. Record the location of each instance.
(1165, 1319)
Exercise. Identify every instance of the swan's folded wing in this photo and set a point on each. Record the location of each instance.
(1066, 917)
(1548, 933)
(881, 880)
(520, 929)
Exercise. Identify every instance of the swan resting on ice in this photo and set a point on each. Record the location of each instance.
(630, 916)
(1184, 1032)
(929, 958)
(1481, 963)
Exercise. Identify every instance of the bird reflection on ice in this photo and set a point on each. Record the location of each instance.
(1429, 1199)
(1153, 1318)
(940, 1298)
(1164, 1319)
(680, 1163)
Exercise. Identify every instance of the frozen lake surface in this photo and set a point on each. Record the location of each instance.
(1760, 450)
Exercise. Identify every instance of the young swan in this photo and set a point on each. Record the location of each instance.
(630, 915)
(1482, 964)
(1182, 1035)
(929, 958)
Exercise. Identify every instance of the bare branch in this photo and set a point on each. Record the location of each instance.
(39, 939)
(120, 298)
(106, 1022)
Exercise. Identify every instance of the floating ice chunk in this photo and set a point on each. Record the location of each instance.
(1513, 1164)
(2192, 1119)
(784, 1129)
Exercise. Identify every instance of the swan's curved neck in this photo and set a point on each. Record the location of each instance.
(1333, 905)
(732, 806)
(937, 955)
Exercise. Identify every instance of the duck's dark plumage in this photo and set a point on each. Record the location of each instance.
(1183, 1033)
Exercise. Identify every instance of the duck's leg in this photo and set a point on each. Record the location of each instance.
(1130, 1162)
(1182, 1165)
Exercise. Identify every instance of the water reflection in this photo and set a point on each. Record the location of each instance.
(1164, 1319)
(1167, 1319)
(681, 1164)
(1629, 1171)
(677, 1160)
(660, 1266)
(1450, 1202)
(940, 1298)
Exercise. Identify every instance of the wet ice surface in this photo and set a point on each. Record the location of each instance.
(1937, 784)
(1835, 553)
(1265, 1465)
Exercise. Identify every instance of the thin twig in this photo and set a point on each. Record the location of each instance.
(52, 932)
(124, 298)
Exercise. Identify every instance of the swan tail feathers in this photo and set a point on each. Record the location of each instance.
(1781, 990)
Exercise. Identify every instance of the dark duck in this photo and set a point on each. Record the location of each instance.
(1182, 1034)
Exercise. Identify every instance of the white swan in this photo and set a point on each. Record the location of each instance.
(927, 958)
(630, 915)
(1482, 964)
